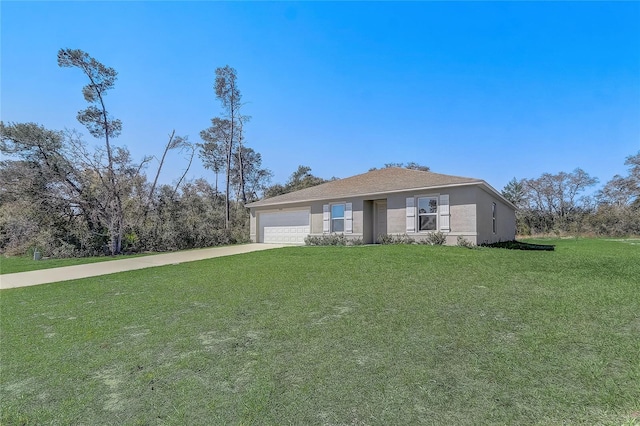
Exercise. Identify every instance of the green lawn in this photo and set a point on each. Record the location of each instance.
(334, 335)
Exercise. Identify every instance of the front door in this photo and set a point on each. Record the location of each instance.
(380, 219)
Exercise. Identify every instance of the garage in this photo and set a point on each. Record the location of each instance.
(284, 227)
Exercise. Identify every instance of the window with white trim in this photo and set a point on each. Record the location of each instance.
(493, 217)
(428, 213)
(337, 217)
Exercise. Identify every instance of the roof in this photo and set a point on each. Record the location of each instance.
(391, 179)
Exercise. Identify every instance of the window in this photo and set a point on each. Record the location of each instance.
(427, 213)
(337, 218)
(493, 217)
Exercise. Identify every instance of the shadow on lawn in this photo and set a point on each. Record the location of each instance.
(518, 245)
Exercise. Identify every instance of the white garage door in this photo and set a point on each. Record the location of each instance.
(290, 227)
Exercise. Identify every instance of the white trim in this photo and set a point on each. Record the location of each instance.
(331, 219)
(411, 214)
(348, 218)
(444, 213)
(326, 216)
(436, 214)
(494, 218)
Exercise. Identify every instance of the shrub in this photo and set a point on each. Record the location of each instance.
(356, 242)
(386, 239)
(463, 242)
(434, 239)
(326, 240)
(332, 240)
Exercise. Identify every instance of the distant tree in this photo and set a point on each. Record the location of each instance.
(415, 166)
(410, 165)
(255, 177)
(300, 179)
(226, 133)
(178, 143)
(514, 191)
(389, 165)
(214, 149)
(37, 184)
(623, 190)
(556, 199)
(618, 210)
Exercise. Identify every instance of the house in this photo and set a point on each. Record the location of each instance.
(387, 201)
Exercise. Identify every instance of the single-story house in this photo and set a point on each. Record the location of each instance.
(387, 201)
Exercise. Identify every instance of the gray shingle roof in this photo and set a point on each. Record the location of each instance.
(374, 182)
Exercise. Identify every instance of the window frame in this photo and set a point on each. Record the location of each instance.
(332, 218)
(494, 221)
(435, 214)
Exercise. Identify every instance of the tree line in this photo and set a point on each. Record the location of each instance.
(64, 198)
(557, 204)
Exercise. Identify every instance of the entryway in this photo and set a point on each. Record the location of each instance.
(379, 219)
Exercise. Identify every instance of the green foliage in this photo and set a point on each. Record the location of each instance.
(57, 194)
(514, 191)
(101, 79)
(402, 334)
(332, 240)
(463, 242)
(411, 165)
(552, 204)
(386, 239)
(434, 239)
(300, 179)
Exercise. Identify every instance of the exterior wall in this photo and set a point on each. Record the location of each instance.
(357, 205)
(469, 206)
(462, 211)
(462, 214)
(505, 220)
(462, 203)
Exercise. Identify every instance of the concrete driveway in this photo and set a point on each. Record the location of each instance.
(44, 276)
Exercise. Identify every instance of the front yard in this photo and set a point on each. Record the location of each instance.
(334, 335)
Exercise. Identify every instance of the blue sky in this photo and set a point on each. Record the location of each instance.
(488, 90)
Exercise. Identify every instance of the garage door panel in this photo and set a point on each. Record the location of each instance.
(289, 227)
(285, 234)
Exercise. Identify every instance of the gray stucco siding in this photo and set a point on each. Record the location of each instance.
(470, 215)
(505, 219)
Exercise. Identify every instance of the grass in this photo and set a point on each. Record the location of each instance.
(334, 335)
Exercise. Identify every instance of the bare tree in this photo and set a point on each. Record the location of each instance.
(175, 143)
(623, 191)
(556, 198)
